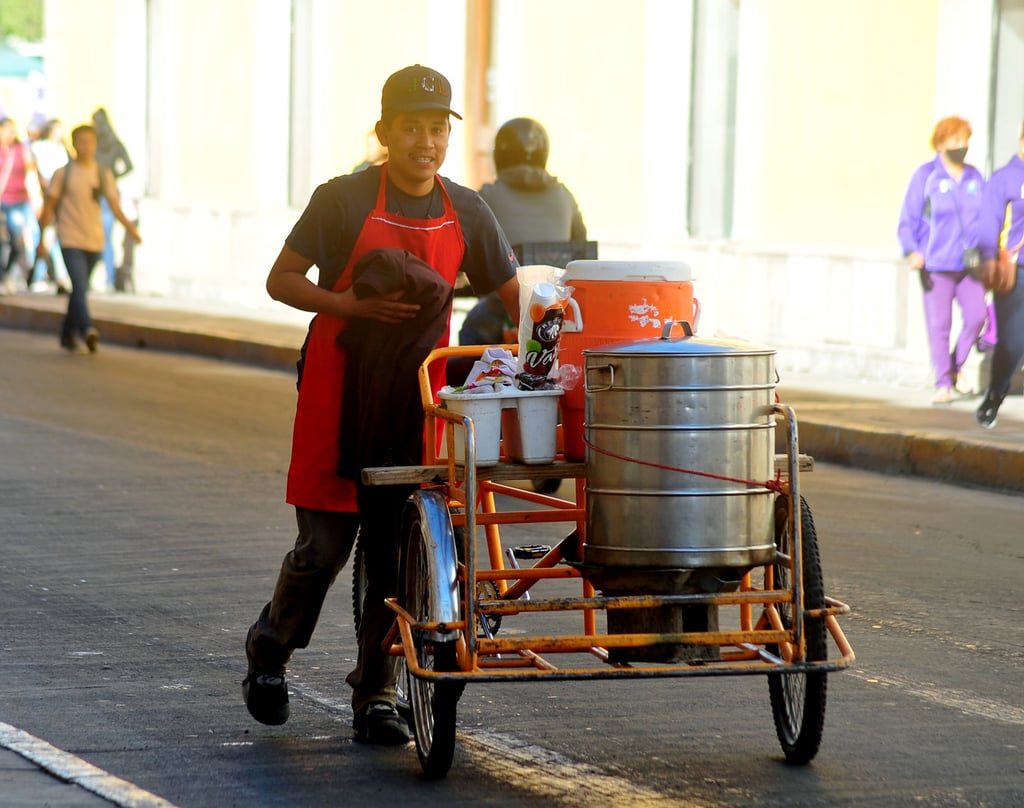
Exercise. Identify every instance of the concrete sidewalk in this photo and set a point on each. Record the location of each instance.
(889, 429)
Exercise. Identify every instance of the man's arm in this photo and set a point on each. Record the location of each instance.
(287, 283)
(991, 216)
(913, 229)
(114, 200)
(577, 229)
(509, 294)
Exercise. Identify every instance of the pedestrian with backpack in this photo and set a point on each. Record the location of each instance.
(73, 200)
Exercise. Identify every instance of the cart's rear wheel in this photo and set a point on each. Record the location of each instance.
(359, 585)
(547, 486)
(430, 592)
(798, 699)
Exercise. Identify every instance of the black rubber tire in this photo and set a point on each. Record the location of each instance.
(798, 699)
(547, 486)
(358, 581)
(358, 593)
(434, 704)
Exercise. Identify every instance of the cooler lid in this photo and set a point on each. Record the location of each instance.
(586, 270)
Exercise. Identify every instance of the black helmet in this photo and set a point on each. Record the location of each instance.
(520, 141)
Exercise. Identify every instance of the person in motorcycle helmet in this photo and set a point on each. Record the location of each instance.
(531, 205)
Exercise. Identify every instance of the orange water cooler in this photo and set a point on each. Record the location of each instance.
(616, 301)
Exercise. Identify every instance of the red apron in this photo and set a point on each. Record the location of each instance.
(313, 480)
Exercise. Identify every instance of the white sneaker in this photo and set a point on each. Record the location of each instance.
(964, 390)
(944, 395)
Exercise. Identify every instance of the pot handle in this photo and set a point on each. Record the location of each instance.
(666, 331)
(611, 381)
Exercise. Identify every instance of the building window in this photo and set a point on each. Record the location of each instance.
(713, 118)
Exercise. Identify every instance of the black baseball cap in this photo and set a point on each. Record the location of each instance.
(416, 88)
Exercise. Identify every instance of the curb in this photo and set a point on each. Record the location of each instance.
(954, 460)
(222, 346)
(957, 460)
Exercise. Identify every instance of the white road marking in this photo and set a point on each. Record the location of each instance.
(967, 703)
(533, 769)
(73, 769)
(555, 777)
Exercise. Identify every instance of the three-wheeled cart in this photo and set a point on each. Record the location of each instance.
(686, 602)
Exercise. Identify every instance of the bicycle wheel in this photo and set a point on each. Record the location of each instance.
(358, 594)
(358, 580)
(431, 594)
(798, 699)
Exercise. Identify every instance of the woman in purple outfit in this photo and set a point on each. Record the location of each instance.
(1002, 226)
(938, 232)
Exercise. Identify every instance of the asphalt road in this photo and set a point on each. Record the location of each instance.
(142, 522)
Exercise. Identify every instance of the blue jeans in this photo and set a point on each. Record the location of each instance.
(1009, 350)
(80, 264)
(21, 229)
(108, 245)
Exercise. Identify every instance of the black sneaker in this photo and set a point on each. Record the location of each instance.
(987, 412)
(266, 697)
(92, 340)
(69, 343)
(379, 723)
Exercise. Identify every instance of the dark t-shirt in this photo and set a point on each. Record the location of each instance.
(327, 230)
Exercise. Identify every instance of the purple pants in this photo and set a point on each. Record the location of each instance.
(938, 317)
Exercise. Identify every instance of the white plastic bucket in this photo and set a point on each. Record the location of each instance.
(485, 410)
(528, 426)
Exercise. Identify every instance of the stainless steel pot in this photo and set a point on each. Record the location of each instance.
(656, 409)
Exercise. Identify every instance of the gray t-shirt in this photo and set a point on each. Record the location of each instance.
(532, 205)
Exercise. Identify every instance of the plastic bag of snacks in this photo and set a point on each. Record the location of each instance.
(542, 302)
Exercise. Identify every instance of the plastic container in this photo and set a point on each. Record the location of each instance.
(528, 425)
(540, 326)
(485, 410)
(617, 301)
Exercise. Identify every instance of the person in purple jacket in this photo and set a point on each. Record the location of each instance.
(1002, 226)
(938, 231)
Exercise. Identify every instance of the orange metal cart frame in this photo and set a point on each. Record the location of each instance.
(487, 659)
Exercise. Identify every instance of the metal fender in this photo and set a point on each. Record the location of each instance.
(441, 559)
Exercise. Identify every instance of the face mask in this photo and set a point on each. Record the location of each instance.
(957, 156)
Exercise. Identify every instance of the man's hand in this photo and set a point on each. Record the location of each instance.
(386, 308)
(916, 260)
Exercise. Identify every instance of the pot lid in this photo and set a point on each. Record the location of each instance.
(675, 343)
